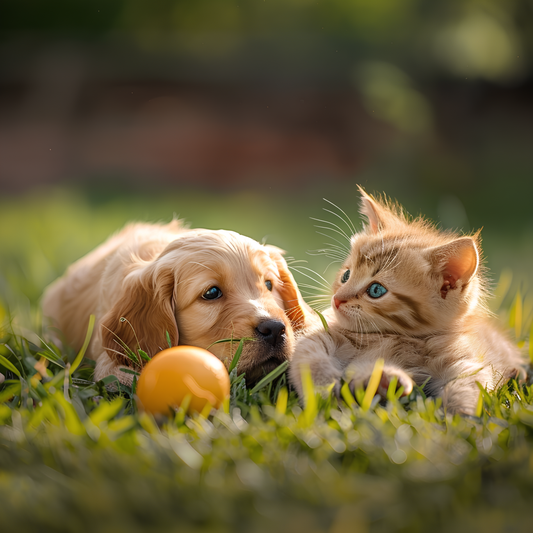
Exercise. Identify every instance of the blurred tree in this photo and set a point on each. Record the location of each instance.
(486, 39)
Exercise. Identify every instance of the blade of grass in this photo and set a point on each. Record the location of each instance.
(347, 395)
(391, 391)
(322, 319)
(144, 355)
(81, 353)
(270, 377)
(9, 365)
(518, 315)
(373, 384)
(311, 408)
(531, 344)
(237, 355)
(281, 404)
(479, 406)
(55, 361)
(10, 391)
(506, 277)
(231, 340)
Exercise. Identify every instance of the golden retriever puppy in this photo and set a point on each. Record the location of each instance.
(198, 285)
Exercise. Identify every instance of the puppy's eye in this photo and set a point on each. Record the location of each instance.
(268, 284)
(212, 294)
(345, 277)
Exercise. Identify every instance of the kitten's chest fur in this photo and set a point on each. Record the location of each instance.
(441, 357)
(413, 352)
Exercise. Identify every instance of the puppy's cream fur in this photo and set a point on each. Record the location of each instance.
(149, 279)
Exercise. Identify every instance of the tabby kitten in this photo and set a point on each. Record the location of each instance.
(413, 296)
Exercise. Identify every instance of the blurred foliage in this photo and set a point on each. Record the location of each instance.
(485, 39)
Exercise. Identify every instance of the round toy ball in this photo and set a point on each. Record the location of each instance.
(174, 373)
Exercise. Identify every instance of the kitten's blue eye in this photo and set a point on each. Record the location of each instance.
(345, 277)
(268, 284)
(376, 290)
(212, 294)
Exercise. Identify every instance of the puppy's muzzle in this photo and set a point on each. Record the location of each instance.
(271, 332)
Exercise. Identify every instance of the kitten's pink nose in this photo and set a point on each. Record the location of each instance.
(338, 302)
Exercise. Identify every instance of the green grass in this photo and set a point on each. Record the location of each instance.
(76, 455)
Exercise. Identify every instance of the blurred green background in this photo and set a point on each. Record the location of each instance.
(244, 114)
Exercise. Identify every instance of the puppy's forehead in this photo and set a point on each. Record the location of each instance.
(220, 252)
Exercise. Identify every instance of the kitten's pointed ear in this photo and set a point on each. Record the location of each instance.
(457, 260)
(375, 213)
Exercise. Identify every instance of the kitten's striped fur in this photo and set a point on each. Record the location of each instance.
(432, 323)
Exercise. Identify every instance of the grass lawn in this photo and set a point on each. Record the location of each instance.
(75, 455)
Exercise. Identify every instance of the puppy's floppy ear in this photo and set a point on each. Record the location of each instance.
(295, 307)
(142, 315)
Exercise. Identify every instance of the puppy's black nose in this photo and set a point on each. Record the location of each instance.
(271, 331)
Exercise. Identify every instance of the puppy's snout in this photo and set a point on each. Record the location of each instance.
(271, 331)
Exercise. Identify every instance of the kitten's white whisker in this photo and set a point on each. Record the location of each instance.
(342, 247)
(322, 287)
(347, 217)
(294, 261)
(326, 284)
(318, 306)
(314, 293)
(328, 253)
(318, 300)
(307, 286)
(332, 224)
(321, 301)
(350, 229)
(332, 263)
(341, 233)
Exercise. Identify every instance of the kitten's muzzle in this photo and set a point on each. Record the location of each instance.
(272, 332)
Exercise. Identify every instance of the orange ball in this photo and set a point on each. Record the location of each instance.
(174, 373)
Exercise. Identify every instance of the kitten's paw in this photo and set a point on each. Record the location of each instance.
(388, 374)
(403, 380)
